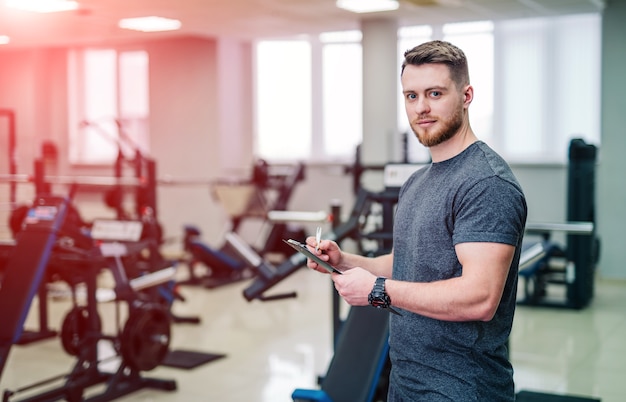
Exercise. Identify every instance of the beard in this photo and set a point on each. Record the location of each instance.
(438, 135)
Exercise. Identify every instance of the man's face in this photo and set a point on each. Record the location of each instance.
(434, 105)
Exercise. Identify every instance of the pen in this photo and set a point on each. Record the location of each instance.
(318, 238)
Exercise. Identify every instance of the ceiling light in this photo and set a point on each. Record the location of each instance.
(367, 6)
(4, 39)
(42, 6)
(150, 24)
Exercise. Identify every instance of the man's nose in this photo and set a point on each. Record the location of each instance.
(421, 106)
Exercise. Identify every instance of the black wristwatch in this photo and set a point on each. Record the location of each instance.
(379, 298)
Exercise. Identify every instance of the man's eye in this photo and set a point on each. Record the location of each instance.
(435, 94)
(411, 96)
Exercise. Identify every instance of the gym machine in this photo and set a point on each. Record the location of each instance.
(570, 268)
(141, 184)
(49, 239)
(269, 190)
(357, 370)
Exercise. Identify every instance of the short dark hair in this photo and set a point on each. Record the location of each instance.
(439, 52)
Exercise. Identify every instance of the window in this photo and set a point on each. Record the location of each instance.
(109, 104)
(286, 102)
(283, 100)
(547, 86)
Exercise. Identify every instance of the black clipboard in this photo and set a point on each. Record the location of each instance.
(296, 245)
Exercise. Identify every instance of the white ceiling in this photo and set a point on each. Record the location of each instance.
(96, 20)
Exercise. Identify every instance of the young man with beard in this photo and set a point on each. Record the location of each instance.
(457, 237)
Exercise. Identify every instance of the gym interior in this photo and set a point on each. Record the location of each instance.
(157, 270)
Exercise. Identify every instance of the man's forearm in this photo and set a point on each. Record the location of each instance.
(379, 266)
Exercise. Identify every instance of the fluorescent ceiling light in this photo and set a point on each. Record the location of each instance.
(150, 24)
(42, 6)
(4, 39)
(367, 6)
(341, 36)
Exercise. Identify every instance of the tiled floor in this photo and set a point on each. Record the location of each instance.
(273, 347)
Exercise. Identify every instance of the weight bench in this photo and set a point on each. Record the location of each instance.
(545, 262)
(361, 353)
(265, 271)
(223, 265)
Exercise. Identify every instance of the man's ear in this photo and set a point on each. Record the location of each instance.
(468, 95)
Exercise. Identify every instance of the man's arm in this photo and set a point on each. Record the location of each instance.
(473, 296)
(330, 251)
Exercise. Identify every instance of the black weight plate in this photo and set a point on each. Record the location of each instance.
(74, 329)
(146, 336)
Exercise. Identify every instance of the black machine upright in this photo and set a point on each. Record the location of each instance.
(569, 268)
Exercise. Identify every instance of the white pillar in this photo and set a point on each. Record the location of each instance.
(235, 108)
(380, 94)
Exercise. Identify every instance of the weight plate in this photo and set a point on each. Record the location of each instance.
(146, 336)
(74, 329)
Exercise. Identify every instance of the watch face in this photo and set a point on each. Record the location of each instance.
(378, 300)
(378, 303)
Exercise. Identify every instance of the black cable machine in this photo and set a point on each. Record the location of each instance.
(571, 268)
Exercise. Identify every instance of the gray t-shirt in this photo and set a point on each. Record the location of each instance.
(473, 197)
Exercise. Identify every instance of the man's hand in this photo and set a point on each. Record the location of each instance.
(327, 250)
(355, 285)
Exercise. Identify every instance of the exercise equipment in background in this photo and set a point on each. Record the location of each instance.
(268, 190)
(51, 274)
(356, 372)
(50, 239)
(559, 275)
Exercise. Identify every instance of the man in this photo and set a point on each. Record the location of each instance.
(457, 237)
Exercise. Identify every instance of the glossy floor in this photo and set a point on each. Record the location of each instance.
(274, 347)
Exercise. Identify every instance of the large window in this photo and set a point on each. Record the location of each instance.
(537, 85)
(289, 93)
(109, 104)
(547, 86)
(283, 100)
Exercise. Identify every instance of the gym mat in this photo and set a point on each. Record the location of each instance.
(188, 359)
(530, 396)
